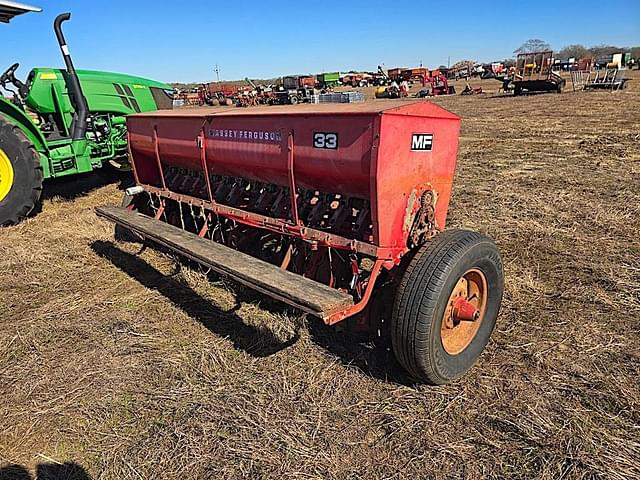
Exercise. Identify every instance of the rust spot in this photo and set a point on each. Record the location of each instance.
(408, 214)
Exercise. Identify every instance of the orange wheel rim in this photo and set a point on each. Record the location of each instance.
(465, 312)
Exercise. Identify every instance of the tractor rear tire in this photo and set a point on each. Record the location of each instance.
(20, 175)
(426, 339)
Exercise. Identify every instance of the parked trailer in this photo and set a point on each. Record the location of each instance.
(415, 74)
(221, 93)
(337, 210)
(395, 74)
(356, 79)
(327, 80)
(533, 73)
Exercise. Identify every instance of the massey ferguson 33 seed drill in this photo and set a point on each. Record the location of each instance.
(337, 210)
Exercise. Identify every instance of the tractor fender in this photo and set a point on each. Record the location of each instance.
(14, 115)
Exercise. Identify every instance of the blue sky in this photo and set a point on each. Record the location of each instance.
(182, 41)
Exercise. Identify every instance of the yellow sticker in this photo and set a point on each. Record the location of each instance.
(138, 86)
(48, 76)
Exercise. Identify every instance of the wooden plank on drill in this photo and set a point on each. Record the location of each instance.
(303, 293)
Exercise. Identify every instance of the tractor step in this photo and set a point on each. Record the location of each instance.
(308, 295)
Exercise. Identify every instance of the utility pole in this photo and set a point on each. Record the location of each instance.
(217, 73)
(449, 61)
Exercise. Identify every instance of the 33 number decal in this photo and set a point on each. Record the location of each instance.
(325, 140)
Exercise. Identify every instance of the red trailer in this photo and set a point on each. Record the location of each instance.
(395, 74)
(356, 79)
(412, 74)
(222, 93)
(338, 211)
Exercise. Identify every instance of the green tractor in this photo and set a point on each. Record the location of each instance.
(63, 122)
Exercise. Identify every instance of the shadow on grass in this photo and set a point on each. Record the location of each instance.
(366, 351)
(371, 355)
(75, 186)
(256, 342)
(45, 471)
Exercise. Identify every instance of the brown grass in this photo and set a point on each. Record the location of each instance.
(129, 367)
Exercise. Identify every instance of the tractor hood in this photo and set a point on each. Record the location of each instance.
(105, 92)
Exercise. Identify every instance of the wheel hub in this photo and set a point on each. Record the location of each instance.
(465, 312)
(6, 175)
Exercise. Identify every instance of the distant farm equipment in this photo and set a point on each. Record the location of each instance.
(355, 79)
(220, 93)
(390, 91)
(533, 73)
(608, 79)
(294, 89)
(435, 84)
(459, 73)
(327, 80)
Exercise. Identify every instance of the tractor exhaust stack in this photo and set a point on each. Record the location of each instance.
(79, 127)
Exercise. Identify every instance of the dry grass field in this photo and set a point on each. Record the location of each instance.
(122, 366)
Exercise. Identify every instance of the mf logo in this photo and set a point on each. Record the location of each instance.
(421, 142)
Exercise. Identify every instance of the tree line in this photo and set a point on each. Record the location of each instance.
(576, 50)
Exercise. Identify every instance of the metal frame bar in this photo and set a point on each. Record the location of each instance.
(281, 226)
(156, 149)
(362, 304)
(292, 180)
(202, 139)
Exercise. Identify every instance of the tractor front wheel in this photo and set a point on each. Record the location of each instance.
(20, 175)
(446, 306)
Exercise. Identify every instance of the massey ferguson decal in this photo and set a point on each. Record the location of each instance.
(250, 135)
(421, 142)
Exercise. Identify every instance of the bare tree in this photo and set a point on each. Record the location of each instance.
(464, 63)
(600, 51)
(574, 51)
(533, 45)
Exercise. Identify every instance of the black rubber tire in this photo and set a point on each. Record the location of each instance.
(517, 91)
(24, 196)
(421, 300)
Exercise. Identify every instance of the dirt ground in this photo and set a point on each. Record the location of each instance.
(117, 366)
